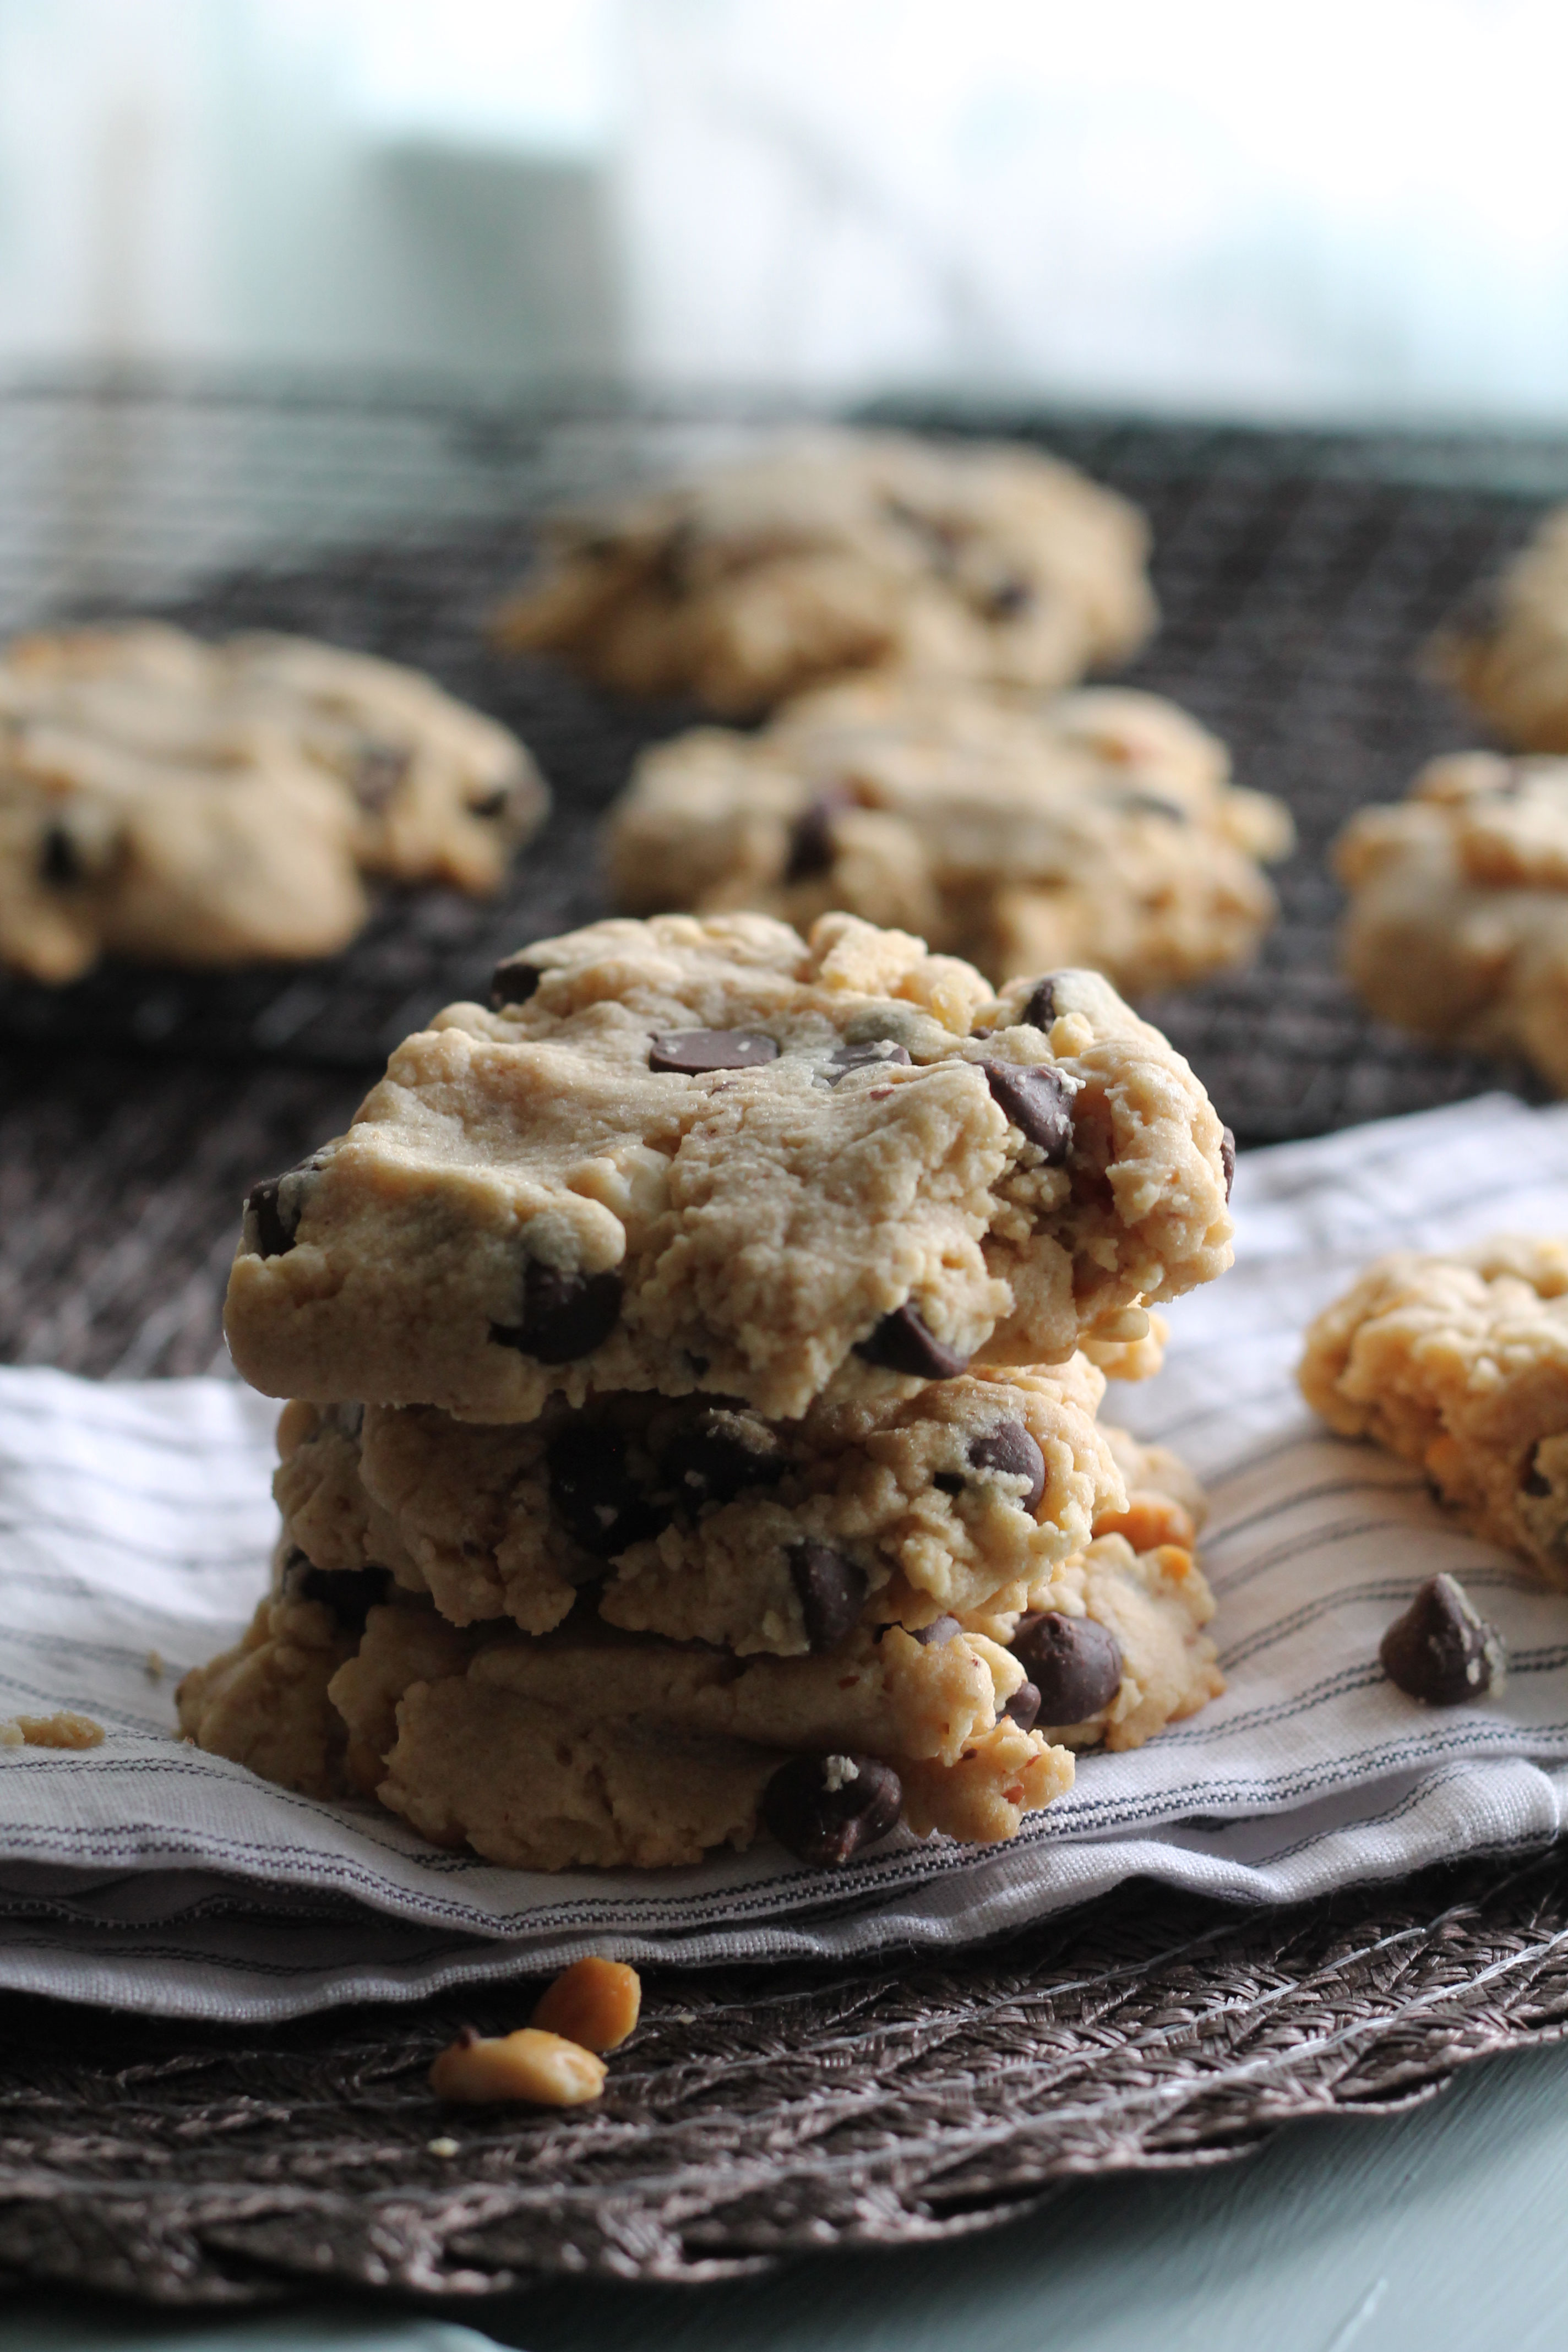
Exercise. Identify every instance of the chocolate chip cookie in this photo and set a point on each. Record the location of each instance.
(832, 551)
(701, 1521)
(183, 803)
(1460, 1363)
(706, 1156)
(1507, 648)
(1457, 923)
(1099, 829)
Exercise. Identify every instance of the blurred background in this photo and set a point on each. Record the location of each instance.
(1356, 213)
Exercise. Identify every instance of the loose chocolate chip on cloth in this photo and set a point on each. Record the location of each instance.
(1312, 1769)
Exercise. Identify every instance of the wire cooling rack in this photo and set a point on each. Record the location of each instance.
(1299, 575)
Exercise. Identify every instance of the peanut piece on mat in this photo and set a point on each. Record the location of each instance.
(595, 2002)
(540, 2068)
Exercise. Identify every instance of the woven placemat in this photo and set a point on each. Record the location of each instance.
(756, 2113)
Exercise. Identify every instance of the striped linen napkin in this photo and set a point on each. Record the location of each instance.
(137, 1521)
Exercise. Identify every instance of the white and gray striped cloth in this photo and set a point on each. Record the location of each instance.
(135, 1520)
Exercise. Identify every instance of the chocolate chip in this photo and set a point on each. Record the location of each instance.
(1010, 1449)
(564, 1316)
(832, 1592)
(878, 1053)
(1023, 1707)
(1442, 1649)
(603, 1506)
(269, 1232)
(824, 1809)
(59, 859)
(1073, 1662)
(948, 1481)
(691, 1052)
(1228, 1157)
(514, 982)
(901, 1342)
(1036, 1102)
(1008, 598)
(811, 846)
(718, 1456)
(1534, 1482)
(1040, 1009)
(378, 771)
(1151, 804)
(937, 1634)
(351, 1593)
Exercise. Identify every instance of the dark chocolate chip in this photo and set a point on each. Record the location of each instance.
(880, 1052)
(564, 1316)
(810, 848)
(514, 982)
(1008, 598)
(492, 804)
(824, 1809)
(378, 771)
(832, 1592)
(718, 1456)
(691, 1052)
(1036, 1102)
(937, 1634)
(1023, 1707)
(603, 1506)
(271, 1225)
(901, 1342)
(948, 1481)
(351, 1593)
(59, 859)
(1040, 1008)
(1010, 1449)
(1534, 1482)
(1442, 1649)
(1228, 1157)
(1151, 804)
(1073, 1662)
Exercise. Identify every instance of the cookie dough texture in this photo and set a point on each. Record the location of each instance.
(830, 551)
(1508, 651)
(196, 803)
(1460, 1363)
(1099, 829)
(595, 1745)
(525, 1207)
(687, 1519)
(1457, 923)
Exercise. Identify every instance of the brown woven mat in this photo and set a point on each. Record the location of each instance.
(756, 2111)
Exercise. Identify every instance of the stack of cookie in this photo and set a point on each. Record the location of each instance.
(694, 1364)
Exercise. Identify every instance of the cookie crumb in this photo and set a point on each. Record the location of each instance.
(64, 1728)
(442, 2147)
(154, 1666)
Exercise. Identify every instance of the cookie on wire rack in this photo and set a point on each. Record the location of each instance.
(832, 551)
(202, 804)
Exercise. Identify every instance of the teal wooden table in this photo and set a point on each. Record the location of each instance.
(1447, 2226)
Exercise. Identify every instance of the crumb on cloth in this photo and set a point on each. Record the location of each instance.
(64, 1728)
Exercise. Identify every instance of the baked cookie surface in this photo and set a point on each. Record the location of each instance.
(704, 1522)
(599, 1748)
(1508, 652)
(197, 804)
(1458, 922)
(1099, 829)
(828, 552)
(1460, 1363)
(705, 1155)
